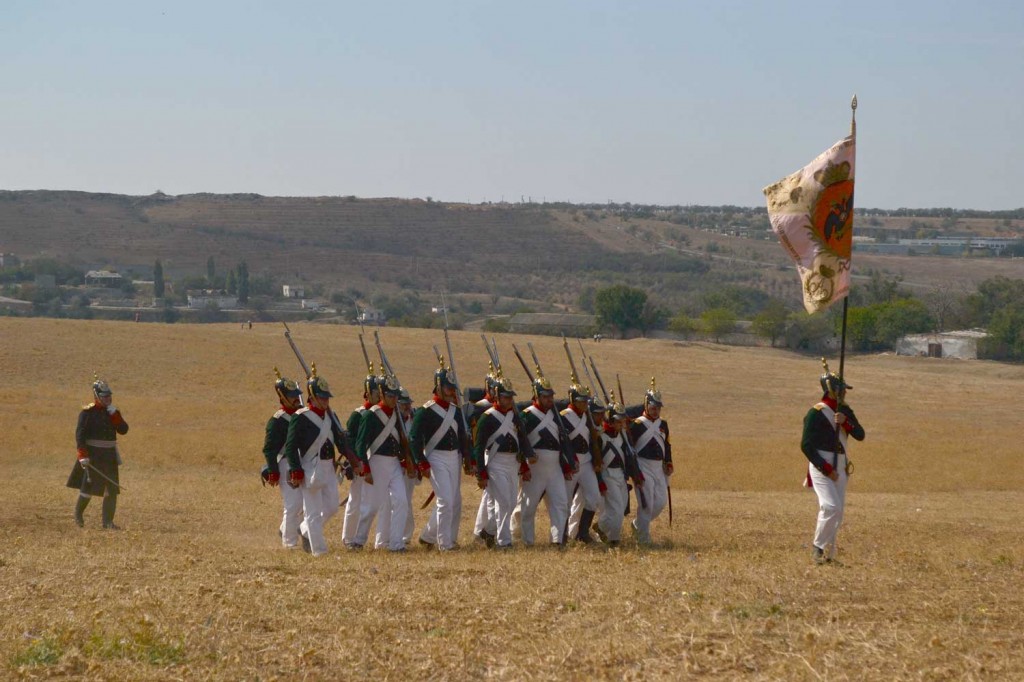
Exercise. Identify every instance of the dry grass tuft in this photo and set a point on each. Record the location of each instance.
(196, 587)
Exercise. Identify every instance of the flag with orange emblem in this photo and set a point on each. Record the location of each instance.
(811, 211)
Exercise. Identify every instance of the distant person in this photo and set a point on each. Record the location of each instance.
(552, 470)
(371, 396)
(485, 528)
(96, 470)
(649, 435)
(829, 468)
(288, 393)
(587, 486)
(250, 324)
(617, 468)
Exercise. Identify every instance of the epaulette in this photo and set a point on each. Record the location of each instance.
(89, 406)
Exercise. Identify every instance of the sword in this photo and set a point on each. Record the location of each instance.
(89, 466)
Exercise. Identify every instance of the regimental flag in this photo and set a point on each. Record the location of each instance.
(811, 211)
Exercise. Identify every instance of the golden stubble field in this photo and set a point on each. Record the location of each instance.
(196, 586)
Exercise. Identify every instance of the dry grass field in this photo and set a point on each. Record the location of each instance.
(196, 586)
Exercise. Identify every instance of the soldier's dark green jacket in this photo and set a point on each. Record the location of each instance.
(303, 432)
(276, 436)
(820, 434)
(371, 426)
(559, 444)
(426, 421)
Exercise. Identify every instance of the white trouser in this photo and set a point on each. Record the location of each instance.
(502, 482)
(831, 503)
(388, 483)
(355, 499)
(485, 520)
(381, 540)
(319, 503)
(442, 527)
(545, 477)
(588, 494)
(656, 493)
(292, 500)
(517, 514)
(614, 503)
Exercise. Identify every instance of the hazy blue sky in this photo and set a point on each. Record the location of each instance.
(649, 102)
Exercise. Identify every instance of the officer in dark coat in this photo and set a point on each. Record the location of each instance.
(96, 470)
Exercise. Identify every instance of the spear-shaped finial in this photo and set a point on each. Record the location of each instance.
(853, 116)
(277, 373)
(312, 371)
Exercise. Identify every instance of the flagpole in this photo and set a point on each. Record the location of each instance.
(846, 299)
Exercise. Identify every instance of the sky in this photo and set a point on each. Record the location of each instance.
(582, 101)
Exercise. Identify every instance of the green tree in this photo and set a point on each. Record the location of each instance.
(211, 270)
(1005, 340)
(808, 332)
(620, 306)
(718, 322)
(681, 323)
(243, 282)
(770, 323)
(232, 282)
(158, 279)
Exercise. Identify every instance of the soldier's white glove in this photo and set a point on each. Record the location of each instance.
(84, 462)
(111, 409)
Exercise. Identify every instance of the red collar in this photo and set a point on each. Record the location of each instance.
(609, 429)
(441, 401)
(831, 402)
(537, 405)
(366, 405)
(572, 406)
(317, 410)
(287, 409)
(385, 409)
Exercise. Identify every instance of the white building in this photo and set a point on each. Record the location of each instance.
(293, 291)
(959, 344)
(200, 301)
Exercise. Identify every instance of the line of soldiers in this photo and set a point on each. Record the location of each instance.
(579, 455)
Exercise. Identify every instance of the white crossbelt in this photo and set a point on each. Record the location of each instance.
(506, 427)
(389, 428)
(653, 432)
(578, 423)
(447, 424)
(546, 423)
(323, 436)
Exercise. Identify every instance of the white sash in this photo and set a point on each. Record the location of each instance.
(579, 425)
(322, 437)
(613, 447)
(507, 427)
(830, 414)
(287, 418)
(447, 424)
(653, 432)
(547, 423)
(389, 428)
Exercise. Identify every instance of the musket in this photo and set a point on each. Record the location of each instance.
(405, 450)
(575, 377)
(366, 356)
(526, 368)
(590, 380)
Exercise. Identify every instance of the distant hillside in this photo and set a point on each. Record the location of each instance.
(543, 253)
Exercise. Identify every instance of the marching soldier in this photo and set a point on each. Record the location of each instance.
(288, 392)
(485, 527)
(371, 396)
(379, 448)
(501, 455)
(553, 467)
(584, 488)
(437, 436)
(827, 426)
(96, 470)
(313, 436)
(617, 466)
(411, 481)
(649, 435)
